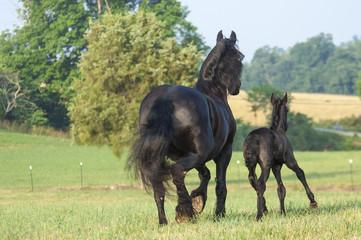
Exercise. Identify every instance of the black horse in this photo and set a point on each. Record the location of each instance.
(190, 126)
(270, 148)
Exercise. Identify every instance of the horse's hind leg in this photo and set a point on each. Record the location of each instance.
(184, 209)
(199, 195)
(301, 176)
(261, 188)
(159, 194)
(281, 190)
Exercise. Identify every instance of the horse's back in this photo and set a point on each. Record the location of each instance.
(187, 102)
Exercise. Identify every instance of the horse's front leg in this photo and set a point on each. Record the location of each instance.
(199, 195)
(222, 161)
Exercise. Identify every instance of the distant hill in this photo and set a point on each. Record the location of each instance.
(315, 105)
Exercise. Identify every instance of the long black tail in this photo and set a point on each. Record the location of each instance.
(148, 155)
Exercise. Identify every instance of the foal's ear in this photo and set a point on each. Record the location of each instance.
(219, 36)
(233, 37)
(272, 98)
(284, 99)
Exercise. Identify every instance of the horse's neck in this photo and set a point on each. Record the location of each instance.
(277, 131)
(278, 122)
(210, 89)
(278, 127)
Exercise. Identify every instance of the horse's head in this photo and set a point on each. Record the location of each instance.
(279, 114)
(223, 65)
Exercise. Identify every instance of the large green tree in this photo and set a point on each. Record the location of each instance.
(45, 52)
(127, 56)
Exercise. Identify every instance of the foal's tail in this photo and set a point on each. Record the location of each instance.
(250, 152)
(148, 155)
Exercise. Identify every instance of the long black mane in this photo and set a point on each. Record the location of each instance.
(279, 114)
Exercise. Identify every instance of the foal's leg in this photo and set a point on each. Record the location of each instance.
(292, 164)
(159, 194)
(252, 177)
(261, 187)
(199, 195)
(281, 190)
(222, 161)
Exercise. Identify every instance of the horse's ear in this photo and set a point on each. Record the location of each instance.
(233, 37)
(272, 98)
(219, 36)
(284, 99)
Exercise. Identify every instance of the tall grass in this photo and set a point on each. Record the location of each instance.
(109, 208)
(131, 214)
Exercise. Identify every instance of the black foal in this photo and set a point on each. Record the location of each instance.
(270, 148)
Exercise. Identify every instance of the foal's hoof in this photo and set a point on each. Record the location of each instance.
(198, 204)
(314, 206)
(265, 212)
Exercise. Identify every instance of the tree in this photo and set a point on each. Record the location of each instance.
(263, 67)
(315, 65)
(309, 59)
(259, 97)
(12, 95)
(174, 16)
(341, 70)
(170, 12)
(359, 83)
(127, 56)
(243, 129)
(47, 49)
(301, 133)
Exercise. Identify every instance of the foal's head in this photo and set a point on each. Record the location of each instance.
(223, 65)
(279, 114)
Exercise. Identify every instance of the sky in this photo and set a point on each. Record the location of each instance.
(257, 23)
(276, 23)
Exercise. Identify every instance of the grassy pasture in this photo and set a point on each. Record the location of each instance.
(109, 207)
(315, 105)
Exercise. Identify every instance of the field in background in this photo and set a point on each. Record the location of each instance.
(110, 206)
(314, 105)
(56, 166)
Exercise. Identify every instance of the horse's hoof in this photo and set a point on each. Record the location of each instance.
(197, 203)
(182, 218)
(265, 212)
(163, 224)
(314, 206)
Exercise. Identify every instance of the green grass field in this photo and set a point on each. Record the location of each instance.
(111, 206)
